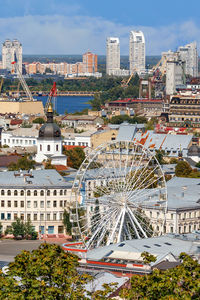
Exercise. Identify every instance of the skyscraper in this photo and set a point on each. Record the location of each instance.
(189, 54)
(11, 50)
(90, 62)
(137, 52)
(112, 56)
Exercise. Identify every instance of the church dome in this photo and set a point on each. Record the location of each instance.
(50, 129)
(194, 150)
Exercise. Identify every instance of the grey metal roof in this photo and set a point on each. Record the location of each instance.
(40, 178)
(157, 246)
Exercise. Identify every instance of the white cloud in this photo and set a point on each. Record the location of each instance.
(60, 34)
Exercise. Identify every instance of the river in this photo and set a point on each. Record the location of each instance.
(71, 103)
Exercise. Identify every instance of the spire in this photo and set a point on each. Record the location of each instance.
(49, 113)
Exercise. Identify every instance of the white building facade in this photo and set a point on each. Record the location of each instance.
(112, 56)
(137, 52)
(11, 50)
(39, 196)
(189, 54)
(175, 70)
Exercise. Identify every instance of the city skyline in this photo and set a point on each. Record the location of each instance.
(56, 27)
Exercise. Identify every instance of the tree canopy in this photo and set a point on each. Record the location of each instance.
(177, 283)
(75, 157)
(23, 164)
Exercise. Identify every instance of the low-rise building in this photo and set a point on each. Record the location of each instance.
(81, 120)
(20, 137)
(39, 196)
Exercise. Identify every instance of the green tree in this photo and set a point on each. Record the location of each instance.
(147, 257)
(198, 164)
(18, 228)
(45, 273)
(48, 165)
(178, 283)
(23, 164)
(159, 155)
(75, 157)
(39, 120)
(1, 227)
(66, 222)
(183, 169)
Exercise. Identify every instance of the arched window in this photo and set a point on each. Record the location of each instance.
(9, 193)
(35, 193)
(48, 148)
(40, 147)
(22, 193)
(42, 193)
(65, 192)
(61, 192)
(48, 193)
(54, 192)
(28, 193)
(15, 193)
(2, 192)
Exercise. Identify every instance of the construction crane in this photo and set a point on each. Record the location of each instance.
(52, 96)
(23, 82)
(161, 65)
(125, 83)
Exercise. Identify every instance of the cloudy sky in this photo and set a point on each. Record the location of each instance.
(75, 26)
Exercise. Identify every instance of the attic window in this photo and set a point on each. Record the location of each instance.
(147, 246)
(168, 244)
(157, 245)
(121, 245)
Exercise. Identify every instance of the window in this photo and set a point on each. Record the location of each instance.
(22, 193)
(28, 193)
(56, 147)
(35, 204)
(2, 203)
(150, 214)
(35, 217)
(42, 217)
(42, 193)
(42, 204)
(22, 203)
(28, 204)
(190, 215)
(190, 228)
(48, 147)
(48, 193)
(171, 229)
(184, 229)
(40, 147)
(172, 216)
(48, 204)
(22, 217)
(54, 192)
(28, 217)
(65, 203)
(2, 192)
(15, 204)
(2, 216)
(9, 216)
(50, 229)
(9, 193)
(61, 216)
(61, 203)
(15, 193)
(65, 192)
(61, 192)
(15, 216)
(48, 217)
(54, 203)
(54, 217)
(9, 203)
(35, 193)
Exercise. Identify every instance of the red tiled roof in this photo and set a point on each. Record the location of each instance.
(69, 147)
(5, 160)
(60, 168)
(15, 122)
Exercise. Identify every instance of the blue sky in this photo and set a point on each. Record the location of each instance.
(73, 27)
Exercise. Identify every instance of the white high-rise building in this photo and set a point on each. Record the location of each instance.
(189, 54)
(112, 56)
(11, 51)
(175, 70)
(137, 52)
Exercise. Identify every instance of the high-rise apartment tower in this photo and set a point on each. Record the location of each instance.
(11, 51)
(112, 56)
(90, 62)
(189, 54)
(137, 52)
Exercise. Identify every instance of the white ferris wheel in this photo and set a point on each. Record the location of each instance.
(115, 189)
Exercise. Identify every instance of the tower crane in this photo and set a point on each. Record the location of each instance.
(22, 81)
(52, 96)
